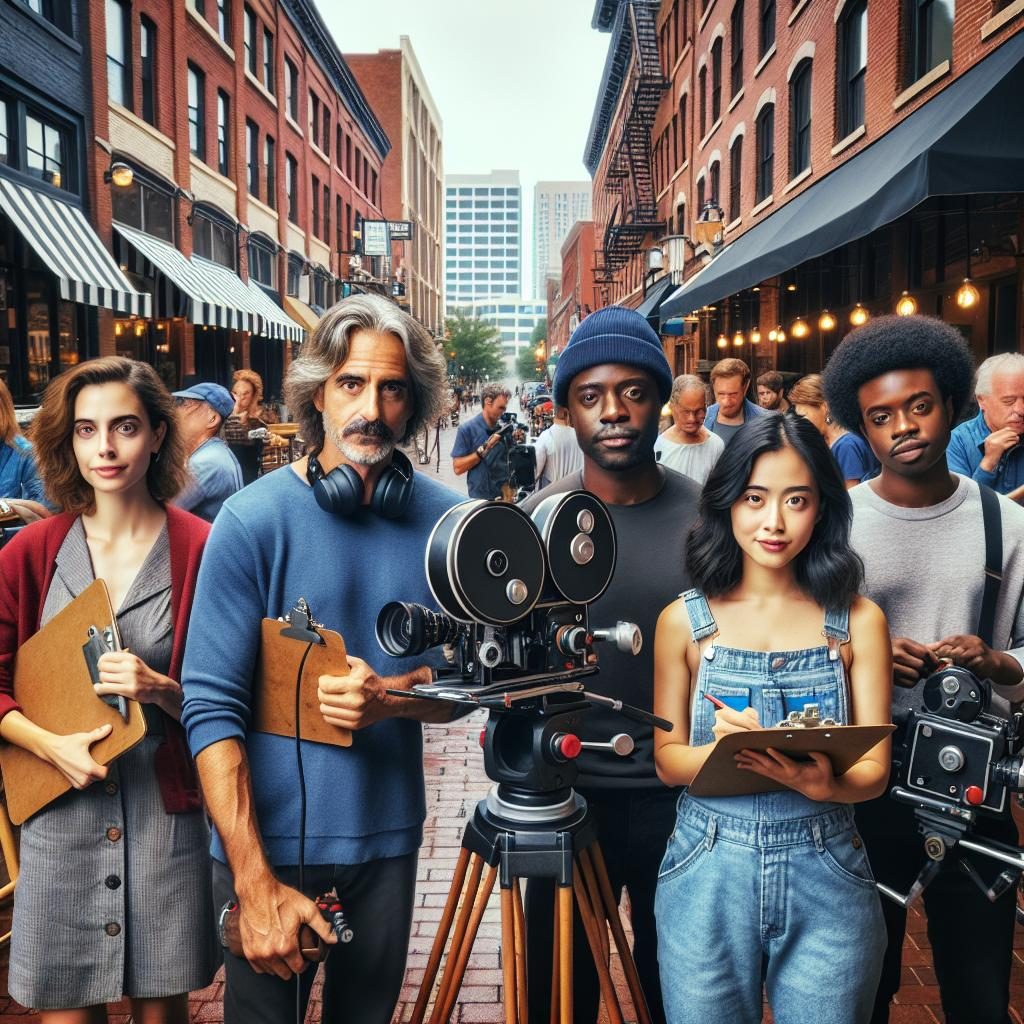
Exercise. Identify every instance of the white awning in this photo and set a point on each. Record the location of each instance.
(277, 324)
(63, 239)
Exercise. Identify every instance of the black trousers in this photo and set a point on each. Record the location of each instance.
(971, 938)
(363, 978)
(633, 828)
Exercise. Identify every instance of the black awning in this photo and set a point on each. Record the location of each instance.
(964, 141)
(655, 294)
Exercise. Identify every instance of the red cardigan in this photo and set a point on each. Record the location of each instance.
(27, 565)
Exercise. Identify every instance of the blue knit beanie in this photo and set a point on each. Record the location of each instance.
(612, 335)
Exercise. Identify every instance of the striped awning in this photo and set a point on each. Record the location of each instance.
(233, 297)
(277, 324)
(63, 239)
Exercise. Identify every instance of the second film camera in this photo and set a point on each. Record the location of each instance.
(959, 757)
(514, 592)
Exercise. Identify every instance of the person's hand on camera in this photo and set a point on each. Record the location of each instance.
(729, 721)
(911, 661)
(997, 444)
(270, 917)
(970, 652)
(354, 700)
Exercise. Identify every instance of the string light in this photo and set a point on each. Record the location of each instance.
(773, 334)
(907, 305)
(799, 329)
(755, 337)
(738, 339)
(967, 295)
(826, 322)
(858, 315)
(780, 335)
(723, 341)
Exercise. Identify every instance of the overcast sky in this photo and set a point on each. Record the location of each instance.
(515, 83)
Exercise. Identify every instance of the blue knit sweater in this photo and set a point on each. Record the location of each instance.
(270, 545)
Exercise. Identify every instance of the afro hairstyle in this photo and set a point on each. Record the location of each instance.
(897, 343)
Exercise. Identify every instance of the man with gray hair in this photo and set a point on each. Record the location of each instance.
(988, 448)
(345, 529)
(481, 448)
(688, 446)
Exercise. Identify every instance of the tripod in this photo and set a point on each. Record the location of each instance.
(518, 834)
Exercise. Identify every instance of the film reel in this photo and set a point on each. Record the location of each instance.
(485, 563)
(579, 541)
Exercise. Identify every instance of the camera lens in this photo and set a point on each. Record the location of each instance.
(404, 630)
(497, 562)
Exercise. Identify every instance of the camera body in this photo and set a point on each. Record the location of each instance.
(959, 749)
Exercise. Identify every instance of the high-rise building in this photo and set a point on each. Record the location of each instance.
(515, 318)
(397, 91)
(483, 243)
(557, 205)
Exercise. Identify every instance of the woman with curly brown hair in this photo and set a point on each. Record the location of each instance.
(249, 415)
(114, 894)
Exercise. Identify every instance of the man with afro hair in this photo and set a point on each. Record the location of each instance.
(902, 382)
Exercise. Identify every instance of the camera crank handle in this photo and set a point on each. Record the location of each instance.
(621, 743)
(636, 714)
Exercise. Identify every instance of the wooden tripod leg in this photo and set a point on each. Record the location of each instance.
(458, 972)
(564, 925)
(592, 926)
(520, 941)
(508, 955)
(443, 930)
(555, 960)
(594, 869)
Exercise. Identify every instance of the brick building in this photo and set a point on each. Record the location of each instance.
(254, 158)
(413, 174)
(821, 159)
(574, 295)
(58, 283)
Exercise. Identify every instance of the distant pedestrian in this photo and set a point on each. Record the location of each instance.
(216, 474)
(730, 379)
(557, 450)
(688, 446)
(481, 448)
(771, 393)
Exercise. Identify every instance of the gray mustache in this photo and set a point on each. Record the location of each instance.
(368, 428)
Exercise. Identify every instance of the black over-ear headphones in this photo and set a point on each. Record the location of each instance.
(341, 490)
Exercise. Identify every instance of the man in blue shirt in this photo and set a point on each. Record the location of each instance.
(216, 474)
(730, 379)
(987, 448)
(479, 448)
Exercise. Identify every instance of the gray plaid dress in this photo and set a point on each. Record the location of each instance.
(114, 895)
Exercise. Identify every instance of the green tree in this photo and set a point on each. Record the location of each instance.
(540, 332)
(528, 366)
(476, 346)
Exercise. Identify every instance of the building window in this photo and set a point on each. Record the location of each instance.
(263, 262)
(373, 186)
(251, 39)
(314, 118)
(214, 240)
(326, 236)
(325, 135)
(766, 27)
(765, 152)
(200, 6)
(46, 151)
(736, 76)
(682, 130)
(294, 276)
(339, 242)
(145, 206)
(268, 60)
(315, 226)
(252, 149)
(147, 68)
(852, 64)
(715, 183)
(197, 112)
(223, 132)
(319, 289)
(348, 156)
(800, 119)
(269, 166)
(929, 35)
(224, 20)
(57, 12)
(702, 99)
(119, 69)
(5, 134)
(291, 180)
(735, 177)
(716, 80)
(291, 90)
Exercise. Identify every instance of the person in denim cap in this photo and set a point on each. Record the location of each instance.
(770, 890)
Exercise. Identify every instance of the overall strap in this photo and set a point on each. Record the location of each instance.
(992, 520)
(702, 623)
(836, 630)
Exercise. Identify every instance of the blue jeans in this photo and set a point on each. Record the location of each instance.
(789, 905)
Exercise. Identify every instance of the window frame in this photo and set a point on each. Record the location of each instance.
(224, 21)
(764, 183)
(270, 170)
(800, 133)
(920, 28)
(291, 181)
(196, 120)
(716, 79)
(252, 157)
(124, 65)
(735, 179)
(291, 89)
(222, 230)
(262, 247)
(268, 60)
(851, 86)
(223, 132)
(766, 27)
(736, 49)
(250, 40)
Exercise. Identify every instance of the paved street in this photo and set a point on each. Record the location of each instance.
(455, 782)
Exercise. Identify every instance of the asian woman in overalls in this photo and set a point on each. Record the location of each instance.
(770, 893)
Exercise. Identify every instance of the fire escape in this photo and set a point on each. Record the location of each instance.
(630, 172)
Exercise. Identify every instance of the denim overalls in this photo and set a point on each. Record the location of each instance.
(770, 888)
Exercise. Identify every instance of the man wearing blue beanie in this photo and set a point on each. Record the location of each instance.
(613, 378)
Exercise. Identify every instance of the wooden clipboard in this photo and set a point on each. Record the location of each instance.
(53, 685)
(844, 745)
(274, 684)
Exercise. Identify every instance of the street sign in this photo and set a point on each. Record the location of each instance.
(375, 238)
(400, 230)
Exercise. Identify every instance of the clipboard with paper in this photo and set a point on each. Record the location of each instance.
(54, 672)
(799, 736)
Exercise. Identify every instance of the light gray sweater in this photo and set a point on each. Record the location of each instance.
(925, 568)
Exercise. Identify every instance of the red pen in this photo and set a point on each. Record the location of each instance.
(714, 700)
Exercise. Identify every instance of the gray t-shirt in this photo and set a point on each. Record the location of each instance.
(650, 573)
(925, 568)
(693, 460)
(726, 431)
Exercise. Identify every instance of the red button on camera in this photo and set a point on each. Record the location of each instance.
(568, 746)
(974, 795)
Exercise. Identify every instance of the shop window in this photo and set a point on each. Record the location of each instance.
(929, 35)
(214, 240)
(119, 70)
(800, 119)
(852, 66)
(46, 150)
(145, 206)
(263, 262)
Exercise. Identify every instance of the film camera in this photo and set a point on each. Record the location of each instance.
(514, 592)
(956, 758)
